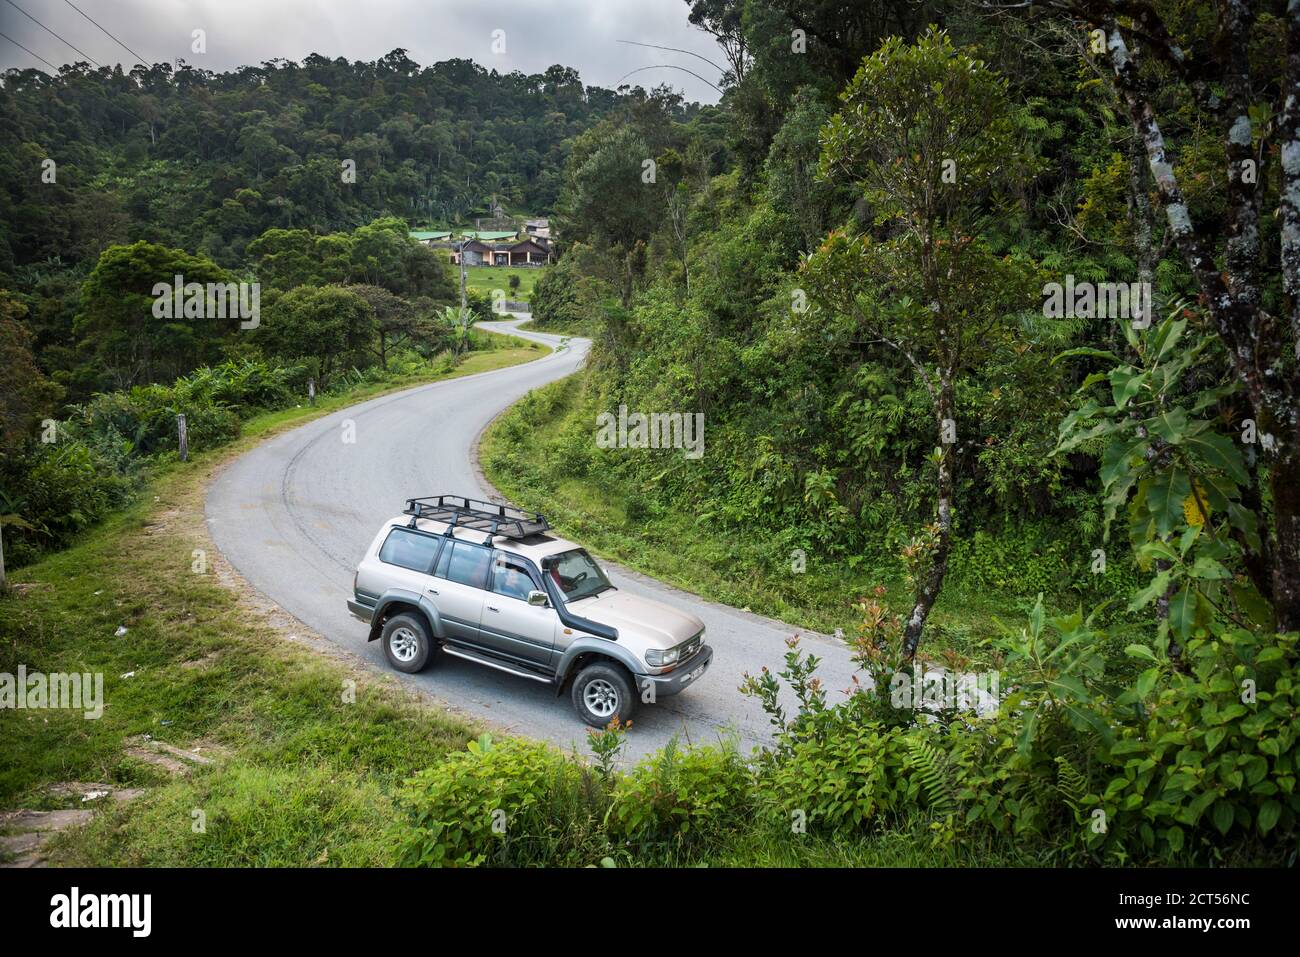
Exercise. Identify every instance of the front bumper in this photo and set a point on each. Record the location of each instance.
(364, 612)
(681, 677)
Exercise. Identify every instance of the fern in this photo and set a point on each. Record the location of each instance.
(1072, 786)
(935, 775)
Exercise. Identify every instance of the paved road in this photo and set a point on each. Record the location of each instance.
(295, 515)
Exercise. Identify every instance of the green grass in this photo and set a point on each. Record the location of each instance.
(306, 778)
(522, 455)
(302, 777)
(484, 279)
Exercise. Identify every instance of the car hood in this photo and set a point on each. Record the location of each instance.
(644, 619)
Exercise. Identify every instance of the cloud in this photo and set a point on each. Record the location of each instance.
(582, 34)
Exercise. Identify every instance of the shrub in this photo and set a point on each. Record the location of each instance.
(246, 386)
(842, 773)
(683, 797)
(146, 418)
(509, 802)
(58, 489)
(1214, 755)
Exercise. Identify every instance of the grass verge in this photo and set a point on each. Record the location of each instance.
(522, 454)
(307, 745)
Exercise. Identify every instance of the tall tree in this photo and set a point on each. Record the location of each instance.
(1231, 73)
(926, 134)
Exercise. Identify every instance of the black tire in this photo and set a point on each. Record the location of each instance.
(592, 690)
(413, 646)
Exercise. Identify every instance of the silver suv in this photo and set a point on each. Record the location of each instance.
(485, 582)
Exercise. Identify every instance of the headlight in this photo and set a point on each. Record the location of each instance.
(658, 657)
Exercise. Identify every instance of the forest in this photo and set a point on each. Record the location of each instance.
(993, 320)
(293, 176)
(992, 314)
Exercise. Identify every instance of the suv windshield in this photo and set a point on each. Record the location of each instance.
(577, 575)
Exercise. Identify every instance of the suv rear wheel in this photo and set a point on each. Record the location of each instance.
(406, 643)
(602, 692)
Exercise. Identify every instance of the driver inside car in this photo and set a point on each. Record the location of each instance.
(513, 583)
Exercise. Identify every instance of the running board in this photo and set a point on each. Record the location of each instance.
(483, 660)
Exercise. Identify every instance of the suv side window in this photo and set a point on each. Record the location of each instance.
(465, 563)
(409, 550)
(511, 577)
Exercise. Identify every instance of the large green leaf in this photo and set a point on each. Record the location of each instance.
(1166, 493)
(1125, 382)
(1167, 335)
(1182, 612)
(1218, 452)
(1268, 816)
(1119, 456)
(1159, 585)
(1170, 426)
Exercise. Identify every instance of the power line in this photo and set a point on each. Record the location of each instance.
(665, 66)
(49, 31)
(37, 55)
(138, 57)
(655, 46)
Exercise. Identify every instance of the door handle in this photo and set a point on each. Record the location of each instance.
(493, 608)
(433, 591)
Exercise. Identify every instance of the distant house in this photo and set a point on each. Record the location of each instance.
(475, 251)
(527, 252)
(488, 247)
(538, 228)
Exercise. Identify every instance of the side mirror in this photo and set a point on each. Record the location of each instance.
(537, 598)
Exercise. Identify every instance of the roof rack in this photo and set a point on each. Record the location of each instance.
(456, 511)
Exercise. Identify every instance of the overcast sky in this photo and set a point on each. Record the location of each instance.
(583, 34)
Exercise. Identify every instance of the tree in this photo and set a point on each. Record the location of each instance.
(926, 134)
(1226, 72)
(609, 203)
(398, 323)
(323, 326)
(722, 20)
(119, 324)
(26, 395)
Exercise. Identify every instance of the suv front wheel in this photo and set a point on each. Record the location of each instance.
(406, 643)
(602, 692)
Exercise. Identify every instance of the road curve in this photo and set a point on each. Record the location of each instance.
(295, 515)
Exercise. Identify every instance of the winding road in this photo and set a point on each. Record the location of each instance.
(295, 515)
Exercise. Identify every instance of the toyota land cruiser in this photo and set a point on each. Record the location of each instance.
(487, 583)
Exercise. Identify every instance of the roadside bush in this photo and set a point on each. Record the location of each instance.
(1086, 760)
(146, 417)
(683, 798)
(1212, 754)
(247, 386)
(844, 773)
(58, 489)
(508, 802)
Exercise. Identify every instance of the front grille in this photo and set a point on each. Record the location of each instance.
(690, 648)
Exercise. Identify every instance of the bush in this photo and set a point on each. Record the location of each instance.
(247, 386)
(58, 489)
(842, 773)
(1214, 755)
(146, 418)
(683, 798)
(510, 802)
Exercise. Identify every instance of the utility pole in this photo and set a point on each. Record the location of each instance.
(464, 313)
